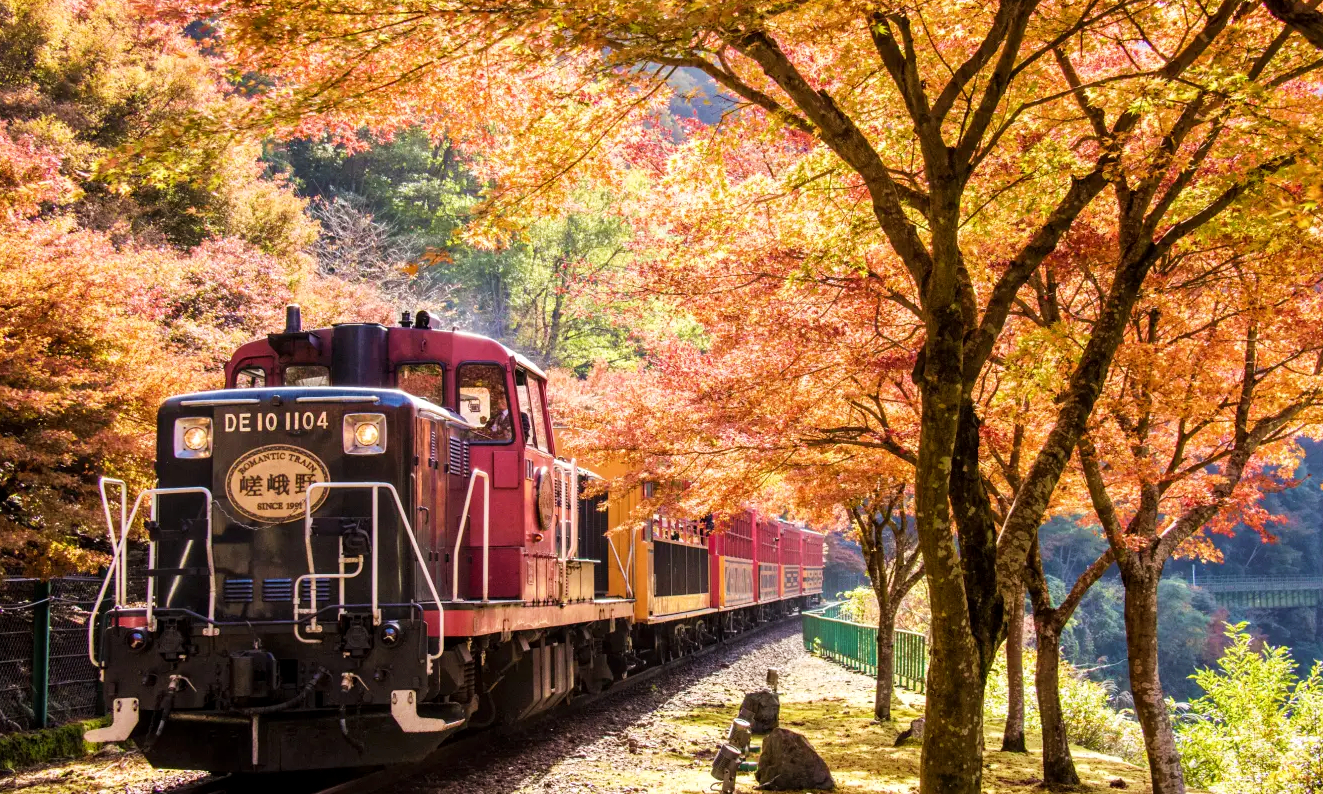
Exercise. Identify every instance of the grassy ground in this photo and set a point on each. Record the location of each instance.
(832, 708)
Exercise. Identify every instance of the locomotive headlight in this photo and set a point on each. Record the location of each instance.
(367, 434)
(364, 434)
(193, 437)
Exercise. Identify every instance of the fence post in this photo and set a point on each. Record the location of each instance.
(41, 654)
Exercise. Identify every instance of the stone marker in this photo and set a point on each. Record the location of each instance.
(789, 763)
(912, 734)
(762, 709)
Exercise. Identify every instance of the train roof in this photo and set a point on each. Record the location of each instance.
(405, 343)
(316, 394)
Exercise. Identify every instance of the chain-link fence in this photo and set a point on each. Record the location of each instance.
(43, 638)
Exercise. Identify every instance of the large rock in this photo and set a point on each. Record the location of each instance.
(789, 763)
(763, 711)
(911, 735)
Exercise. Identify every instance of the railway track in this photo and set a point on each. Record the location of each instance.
(350, 781)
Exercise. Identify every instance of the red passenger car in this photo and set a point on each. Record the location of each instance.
(791, 552)
(732, 562)
(812, 562)
(768, 559)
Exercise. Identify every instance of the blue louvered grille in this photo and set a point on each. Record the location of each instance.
(238, 591)
(276, 590)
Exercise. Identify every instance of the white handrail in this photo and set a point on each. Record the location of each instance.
(574, 508)
(486, 532)
(118, 571)
(121, 590)
(111, 572)
(151, 554)
(342, 576)
(630, 564)
(629, 587)
(313, 576)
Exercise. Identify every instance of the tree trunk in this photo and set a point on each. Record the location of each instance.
(1012, 739)
(961, 586)
(952, 757)
(886, 665)
(553, 328)
(1058, 766)
(1141, 631)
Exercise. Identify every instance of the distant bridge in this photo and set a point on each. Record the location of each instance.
(1264, 592)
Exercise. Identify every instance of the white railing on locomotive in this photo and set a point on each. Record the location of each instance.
(486, 533)
(626, 568)
(312, 576)
(118, 570)
(565, 482)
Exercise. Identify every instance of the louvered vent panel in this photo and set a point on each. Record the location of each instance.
(459, 457)
(456, 457)
(238, 591)
(276, 590)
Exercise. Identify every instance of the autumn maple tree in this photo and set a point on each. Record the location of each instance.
(1219, 374)
(126, 280)
(881, 523)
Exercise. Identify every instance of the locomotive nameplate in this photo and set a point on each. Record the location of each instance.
(269, 483)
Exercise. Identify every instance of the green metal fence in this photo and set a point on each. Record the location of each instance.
(854, 645)
(46, 679)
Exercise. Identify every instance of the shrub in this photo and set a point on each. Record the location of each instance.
(1256, 724)
(860, 606)
(1092, 722)
(1301, 771)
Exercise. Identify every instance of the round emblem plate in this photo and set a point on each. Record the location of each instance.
(269, 483)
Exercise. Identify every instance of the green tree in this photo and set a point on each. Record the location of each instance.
(96, 82)
(1256, 725)
(392, 214)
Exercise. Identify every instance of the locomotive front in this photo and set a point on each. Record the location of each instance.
(291, 601)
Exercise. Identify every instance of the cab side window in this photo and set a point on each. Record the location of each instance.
(536, 388)
(530, 410)
(484, 401)
(422, 380)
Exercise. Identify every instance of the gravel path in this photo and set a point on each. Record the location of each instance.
(636, 732)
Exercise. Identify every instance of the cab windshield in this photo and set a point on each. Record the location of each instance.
(484, 401)
(305, 375)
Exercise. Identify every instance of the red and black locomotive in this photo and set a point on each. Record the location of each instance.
(367, 543)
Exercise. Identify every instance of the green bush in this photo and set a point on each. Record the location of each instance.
(1301, 771)
(1091, 720)
(1256, 725)
(859, 606)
